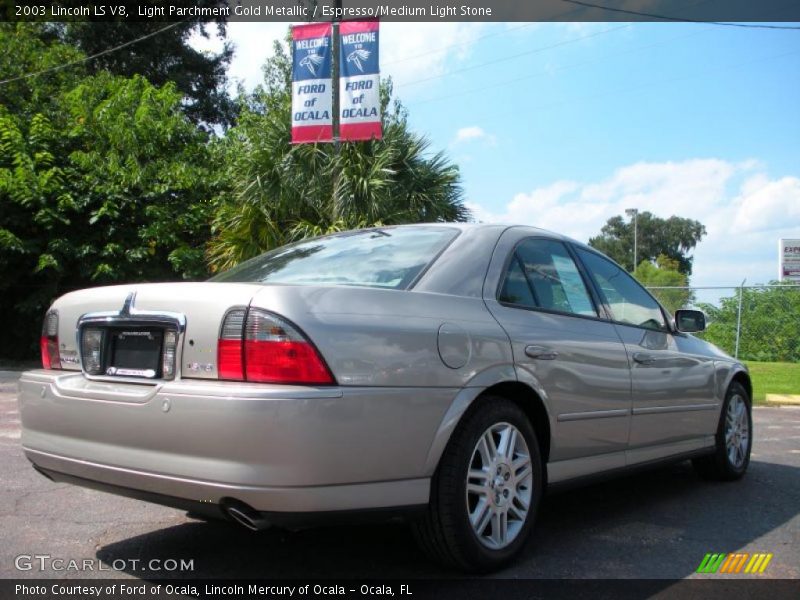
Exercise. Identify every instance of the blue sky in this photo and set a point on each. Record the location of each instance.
(571, 123)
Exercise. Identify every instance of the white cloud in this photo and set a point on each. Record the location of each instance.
(254, 44)
(409, 51)
(415, 51)
(744, 210)
(469, 133)
(472, 133)
(765, 205)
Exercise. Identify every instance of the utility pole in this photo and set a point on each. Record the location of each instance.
(634, 214)
(739, 319)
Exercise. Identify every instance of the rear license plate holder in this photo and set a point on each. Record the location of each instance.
(135, 352)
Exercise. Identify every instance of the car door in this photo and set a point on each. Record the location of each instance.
(674, 403)
(562, 347)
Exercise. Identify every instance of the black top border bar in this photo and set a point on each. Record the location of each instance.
(730, 12)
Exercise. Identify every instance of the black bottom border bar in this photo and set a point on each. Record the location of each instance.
(411, 589)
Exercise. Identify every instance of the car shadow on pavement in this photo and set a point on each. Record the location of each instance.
(657, 524)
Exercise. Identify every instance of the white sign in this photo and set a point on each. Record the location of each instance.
(312, 96)
(359, 85)
(789, 265)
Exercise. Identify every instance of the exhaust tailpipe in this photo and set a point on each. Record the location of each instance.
(245, 515)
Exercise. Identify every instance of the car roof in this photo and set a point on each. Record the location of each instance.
(461, 268)
(498, 227)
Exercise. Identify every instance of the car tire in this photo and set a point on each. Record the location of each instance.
(471, 483)
(734, 438)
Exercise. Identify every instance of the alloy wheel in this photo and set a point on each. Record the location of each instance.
(737, 431)
(499, 485)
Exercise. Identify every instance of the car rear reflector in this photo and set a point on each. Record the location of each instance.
(274, 351)
(48, 343)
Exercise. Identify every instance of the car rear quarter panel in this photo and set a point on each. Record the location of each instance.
(391, 338)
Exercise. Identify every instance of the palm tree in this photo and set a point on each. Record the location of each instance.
(277, 193)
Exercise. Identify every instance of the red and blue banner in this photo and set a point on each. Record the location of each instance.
(359, 82)
(312, 97)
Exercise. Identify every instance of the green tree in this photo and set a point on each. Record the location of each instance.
(26, 49)
(167, 57)
(770, 327)
(277, 193)
(144, 179)
(665, 273)
(102, 179)
(675, 238)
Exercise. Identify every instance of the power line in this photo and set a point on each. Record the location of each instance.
(677, 19)
(562, 68)
(513, 56)
(88, 58)
(478, 39)
(455, 45)
(647, 84)
(491, 35)
(640, 86)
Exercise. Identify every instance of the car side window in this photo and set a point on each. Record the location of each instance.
(542, 274)
(628, 301)
(515, 288)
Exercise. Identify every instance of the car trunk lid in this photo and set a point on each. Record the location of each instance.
(134, 320)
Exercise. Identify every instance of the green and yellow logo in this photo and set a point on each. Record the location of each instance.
(737, 562)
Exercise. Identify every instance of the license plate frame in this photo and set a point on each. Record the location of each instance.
(135, 352)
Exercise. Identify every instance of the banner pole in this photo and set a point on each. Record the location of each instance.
(335, 74)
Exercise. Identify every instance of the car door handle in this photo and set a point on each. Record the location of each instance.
(540, 352)
(644, 359)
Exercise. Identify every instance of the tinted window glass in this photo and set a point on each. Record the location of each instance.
(387, 258)
(553, 282)
(628, 301)
(515, 288)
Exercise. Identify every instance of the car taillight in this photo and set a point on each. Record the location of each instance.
(258, 346)
(230, 353)
(48, 343)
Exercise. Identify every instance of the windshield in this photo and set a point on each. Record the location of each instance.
(387, 257)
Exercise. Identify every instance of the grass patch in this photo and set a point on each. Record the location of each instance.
(773, 378)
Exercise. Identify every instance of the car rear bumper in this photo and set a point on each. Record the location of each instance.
(275, 448)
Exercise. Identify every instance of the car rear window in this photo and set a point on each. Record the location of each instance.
(385, 257)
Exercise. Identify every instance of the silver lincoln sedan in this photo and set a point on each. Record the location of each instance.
(446, 373)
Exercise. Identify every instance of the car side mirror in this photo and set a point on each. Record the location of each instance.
(690, 321)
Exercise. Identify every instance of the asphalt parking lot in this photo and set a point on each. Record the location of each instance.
(653, 525)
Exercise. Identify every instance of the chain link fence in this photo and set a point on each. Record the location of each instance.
(750, 322)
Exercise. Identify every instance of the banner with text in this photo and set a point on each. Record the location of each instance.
(312, 96)
(359, 84)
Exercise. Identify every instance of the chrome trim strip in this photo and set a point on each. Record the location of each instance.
(129, 314)
(652, 410)
(594, 414)
(148, 317)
